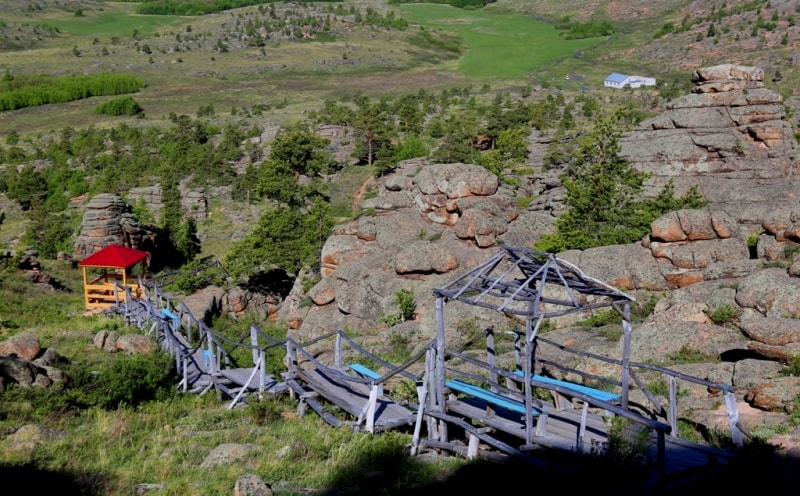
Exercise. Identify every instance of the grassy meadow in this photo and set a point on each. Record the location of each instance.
(498, 45)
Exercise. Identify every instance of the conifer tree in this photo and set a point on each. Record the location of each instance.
(603, 193)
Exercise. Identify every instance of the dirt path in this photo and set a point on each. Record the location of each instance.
(359, 194)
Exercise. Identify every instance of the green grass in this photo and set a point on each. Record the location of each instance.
(498, 45)
(116, 19)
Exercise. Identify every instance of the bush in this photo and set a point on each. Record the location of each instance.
(124, 105)
(130, 380)
(601, 318)
(199, 274)
(724, 314)
(265, 411)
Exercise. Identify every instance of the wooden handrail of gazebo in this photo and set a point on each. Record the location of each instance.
(115, 261)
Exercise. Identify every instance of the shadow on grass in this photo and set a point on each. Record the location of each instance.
(30, 479)
(394, 473)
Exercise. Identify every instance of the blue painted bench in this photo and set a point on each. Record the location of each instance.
(561, 401)
(487, 396)
(366, 372)
(498, 400)
(176, 321)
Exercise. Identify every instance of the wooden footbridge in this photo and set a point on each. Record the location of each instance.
(516, 393)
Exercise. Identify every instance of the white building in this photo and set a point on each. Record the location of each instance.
(617, 80)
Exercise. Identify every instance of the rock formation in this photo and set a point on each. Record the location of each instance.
(194, 201)
(23, 362)
(730, 137)
(723, 298)
(419, 228)
(108, 220)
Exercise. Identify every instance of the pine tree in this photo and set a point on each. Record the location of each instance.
(603, 193)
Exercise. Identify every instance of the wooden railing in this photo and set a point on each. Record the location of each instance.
(665, 410)
(105, 291)
(296, 351)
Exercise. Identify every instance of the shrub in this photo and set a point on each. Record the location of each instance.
(265, 411)
(688, 354)
(135, 379)
(792, 369)
(199, 274)
(124, 105)
(408, 305)
(724, 314)
(600, 319)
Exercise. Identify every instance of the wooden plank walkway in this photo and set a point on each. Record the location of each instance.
(353, 397)
(195, 363)
(562, 433)
(488, 422)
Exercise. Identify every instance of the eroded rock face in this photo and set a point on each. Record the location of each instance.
(108, 220)
(194, 201)
(730, 137)
(430, 220)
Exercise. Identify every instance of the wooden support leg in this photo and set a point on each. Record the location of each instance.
(422, 394)
(582, 429)
(472, 448)
(474, 442)
(301, 407)
(561, 402)
(541, 425)
(373, 400)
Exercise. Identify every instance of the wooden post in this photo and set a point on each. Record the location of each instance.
(673, 406)
(472, 447)
(422, 393)
(490, 359)
(582, 429)
(291, 367)
(439, 372)
(291, 355)
(430, 385)
(626, 353)
(733, 418)
(85, 289)
(337, 351)
(262, 360)
(373, 401)
(528, 374)
(125, 282)
(254, 342)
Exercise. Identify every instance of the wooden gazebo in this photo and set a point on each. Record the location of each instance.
(115, 263)
(535, 286)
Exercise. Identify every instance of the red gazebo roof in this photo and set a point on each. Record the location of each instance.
(114, 256)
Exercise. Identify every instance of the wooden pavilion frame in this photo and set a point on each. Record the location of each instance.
(533, 285)
(116, 262)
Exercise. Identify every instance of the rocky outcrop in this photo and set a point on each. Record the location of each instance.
(113, 342)
(23, 345)
(251, 485)
(425, 222)
(683, 248)
(108, 220)
(730, 137)
(194, 201)
(23, 362)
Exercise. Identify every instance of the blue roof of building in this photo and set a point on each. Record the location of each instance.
(616, 77)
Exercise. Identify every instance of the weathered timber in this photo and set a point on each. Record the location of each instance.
(352, 396)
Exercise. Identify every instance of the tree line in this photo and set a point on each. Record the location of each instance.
(27, 91)
(194, 8)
